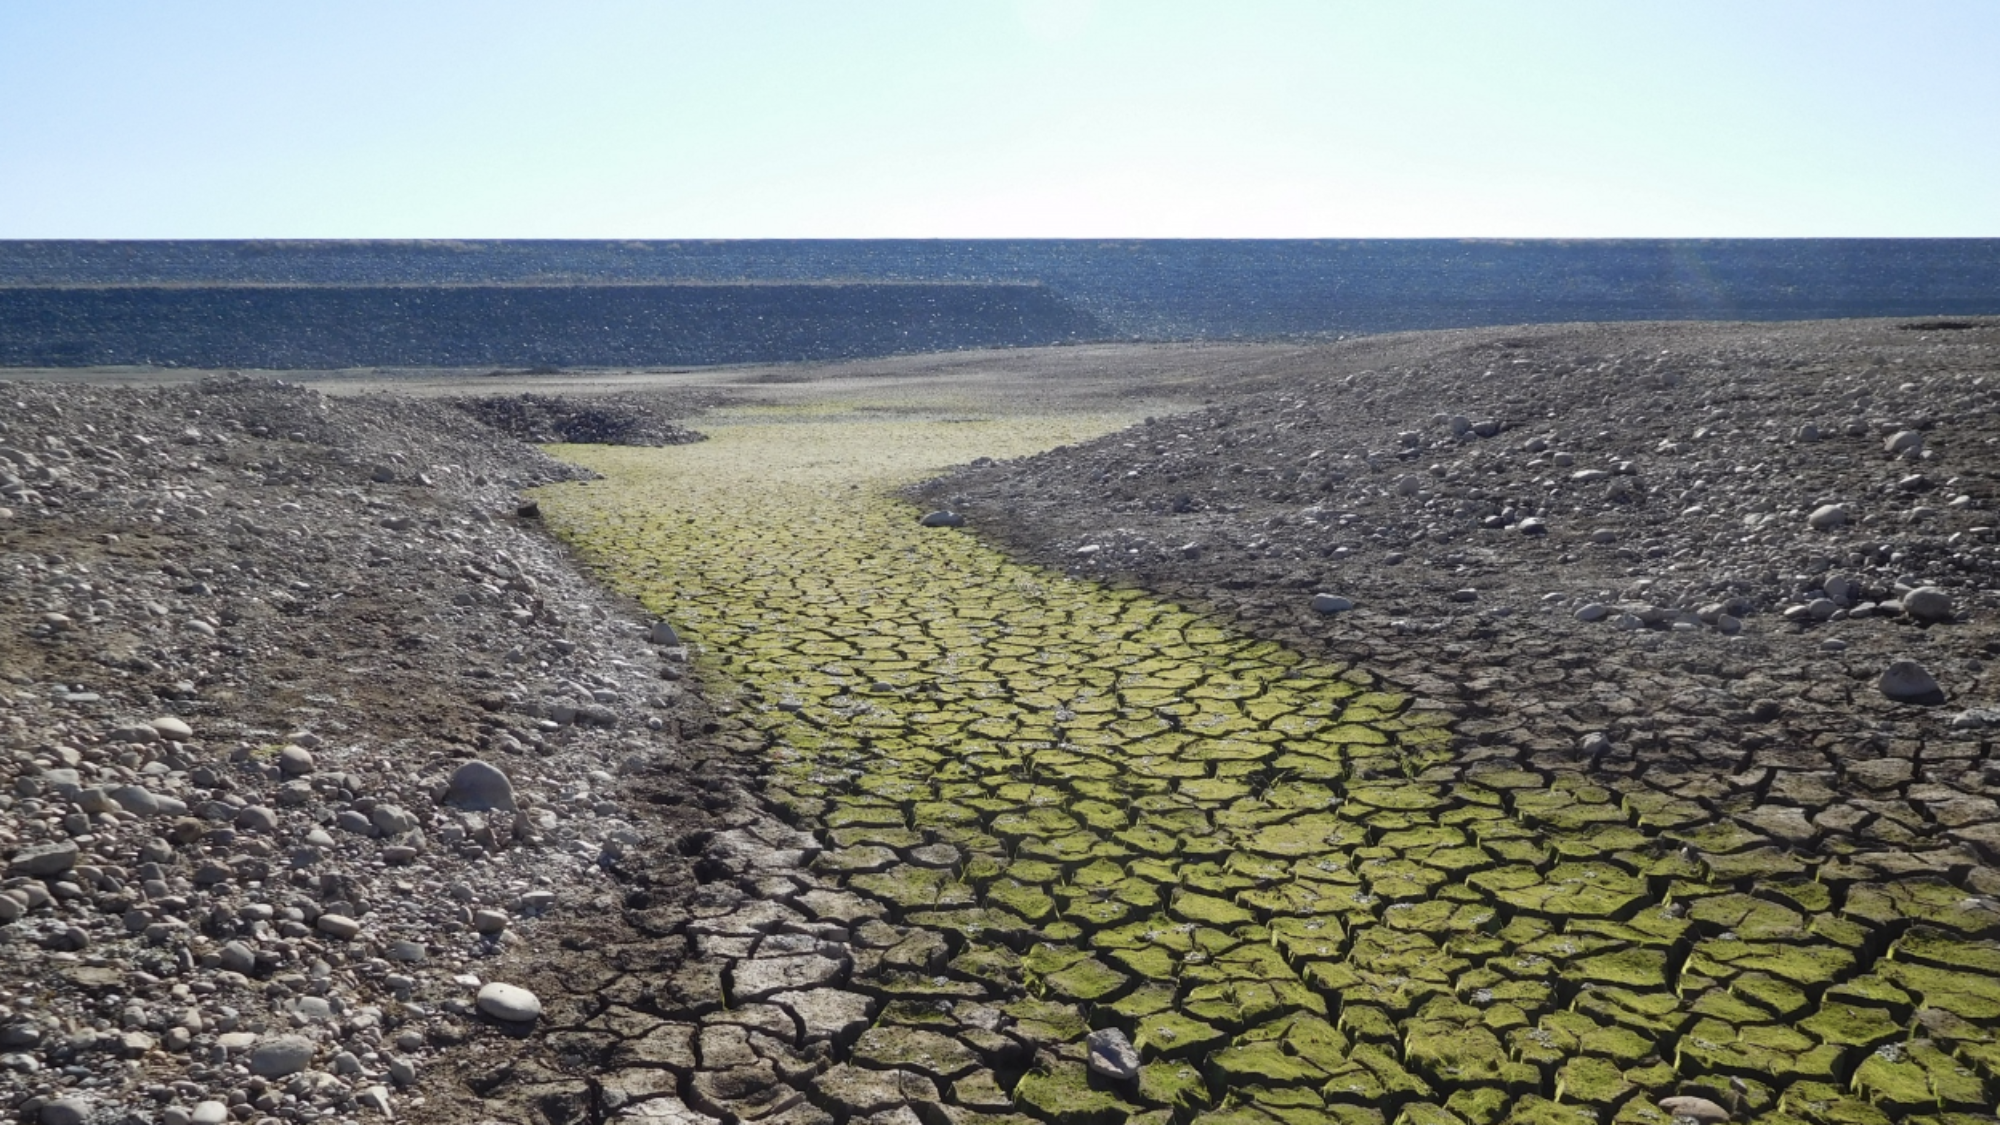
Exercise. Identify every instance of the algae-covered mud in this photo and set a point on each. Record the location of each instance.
(1056, 807)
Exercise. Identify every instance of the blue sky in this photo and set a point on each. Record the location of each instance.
(999, 118)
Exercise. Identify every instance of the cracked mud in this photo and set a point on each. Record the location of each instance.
(1042, 806)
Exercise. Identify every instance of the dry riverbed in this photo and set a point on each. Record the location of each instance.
(1579, 791)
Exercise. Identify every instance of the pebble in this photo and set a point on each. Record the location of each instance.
(1903, 443)
(1907, 681)
(1112, 1055)
(942, 519)
(338, 926)
(209, 1113)
(257, 818)
(663, 634)
(479, 787)
(1592, 611)
(508, 1002)
(172, 728)
(280, 1055)
(1331, 603)
(1826, 517)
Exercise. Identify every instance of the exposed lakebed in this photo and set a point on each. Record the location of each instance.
(1054, 806)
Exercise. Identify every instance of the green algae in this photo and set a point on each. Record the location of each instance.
(1249, 861)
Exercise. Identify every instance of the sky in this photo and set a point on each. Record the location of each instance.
(999, 118)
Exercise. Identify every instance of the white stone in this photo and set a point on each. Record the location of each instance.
(508, 1002)
(1826, 517)
(170, 727)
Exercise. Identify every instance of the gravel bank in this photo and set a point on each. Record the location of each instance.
(307, 737)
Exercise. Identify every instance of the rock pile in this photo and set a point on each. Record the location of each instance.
(619, 419)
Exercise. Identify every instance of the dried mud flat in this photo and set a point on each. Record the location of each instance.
(1453, 853)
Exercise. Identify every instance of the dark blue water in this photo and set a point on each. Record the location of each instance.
(1112, 289)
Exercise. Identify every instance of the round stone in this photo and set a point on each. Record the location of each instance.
(508, 1002)
(170, 727)
(1826, 517)
(479, 786)
(209, 1113)
(295, 761)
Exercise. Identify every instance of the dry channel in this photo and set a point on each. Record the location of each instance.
(1063, 807)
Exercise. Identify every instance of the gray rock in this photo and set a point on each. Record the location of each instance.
(488, 921)
(137, 800)
(65, 1111)
(478, 787)
(295, 761)
(338, 926)
(1928, 604)
(1903, 443)
(1533, 525)
(392, 820)
(508, 1002)
(1331, 603)
(1907, 681)
(1592, 611)
(663, 634)
(1826, 517)
(43, 860)
(277, 1056)
(257, 818)
(239, 958)
(942, 519)
(1700, 1109)
(209, 1113)
(1112, 1055)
